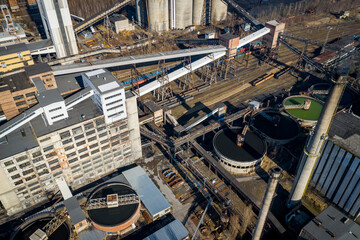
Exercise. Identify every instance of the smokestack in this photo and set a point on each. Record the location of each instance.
(312, 149)
(266, 203)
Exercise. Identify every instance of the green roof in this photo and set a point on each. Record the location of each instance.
(312, 114)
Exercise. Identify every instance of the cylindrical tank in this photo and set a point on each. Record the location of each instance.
(183, 13)
(218, 10)
(244, 159)
(198, 9)
(158, 13)
(116, 218)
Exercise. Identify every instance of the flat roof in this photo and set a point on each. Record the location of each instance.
(39, 44)
(150, 195)
(16, 82)
(83, 111)
(345, 132)
(22, 135)
(172, 231)
(68, 83)
(38, 69)
(103, 80)
(15, 48)
(228, 36)
(48, 97)
(152, 106)
(331, 222)
(40, 86)
(73, 208)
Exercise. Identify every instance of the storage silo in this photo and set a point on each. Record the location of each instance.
(183, 13)
(158, 12)
(198, 9)
(218, 10)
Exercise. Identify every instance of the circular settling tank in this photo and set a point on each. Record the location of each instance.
(275, 127)
(316, 92)
(307, 117)
(28, 228)
(239, 159)
(114, 218)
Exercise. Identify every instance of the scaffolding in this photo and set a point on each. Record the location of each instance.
(164, 91)
(98, 203)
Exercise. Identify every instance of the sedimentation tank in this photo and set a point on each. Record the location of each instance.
(218, 10)
(26, 229)
(158, 15)
(198, 9)
(275, 127)
(239, 159)
(114, 218)
(306, 117)
(183, 13)
(316, 92)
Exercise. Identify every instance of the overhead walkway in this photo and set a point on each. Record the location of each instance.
(252, 37)
(179, 73)
(100, 15)
(124, 61)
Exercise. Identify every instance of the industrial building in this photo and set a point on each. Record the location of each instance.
(58, 25)
(162, 15)
(14, 56)
(337, 171)
(330, 224)
(120, 23)
(75, 138)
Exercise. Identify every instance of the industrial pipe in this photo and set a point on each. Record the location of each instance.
(265, 207)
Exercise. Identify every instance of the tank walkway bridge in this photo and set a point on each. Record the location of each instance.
(100, 15)
(235, 185)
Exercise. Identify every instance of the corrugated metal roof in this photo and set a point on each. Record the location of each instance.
(74, 210)
(173, 231)
(149, 194)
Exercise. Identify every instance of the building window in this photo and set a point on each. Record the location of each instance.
(50, 155)
(77, 130)
(10, 170)
(30, 94)
(95, 151)
(18, 182)
(69, 147)
(45, 139)
(101, 128)
(57, 116)
(35, 160)
(112, 103)
(8, 163)
(27, 172)
(54, 109)
(104, 141)
(67, 141)
(99, 122)
(20, 103)
(90, 132)
(23, 165)
(89, 126)
(71, 155)
(82, 150)
(64, 135)
(73, 160)
(55, 167)
(119, 94)
(92, 139)
(46, 149)
(18, 97)
(53, 162)
(94, 145)
(30, 177)
(80, 143)
(116, 114)
(84, 156)
(79, 137)
(15, 176)
(22, 158)
(115, 107)
(41, 166)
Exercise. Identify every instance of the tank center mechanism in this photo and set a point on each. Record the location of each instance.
(240, 150)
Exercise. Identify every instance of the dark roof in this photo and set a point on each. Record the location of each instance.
(228, 36)
(70, 82)
(74, 210)
(15, 48)
(39, 44)
(48, 97)
(117, 17)
(38, 69)
(152, 106)
(40, 86)
(345, 132)
(16, 82)
(328, 223)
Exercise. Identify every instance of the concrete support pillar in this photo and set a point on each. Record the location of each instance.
(266, 203)
(312, 149)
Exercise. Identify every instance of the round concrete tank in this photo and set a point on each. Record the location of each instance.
(26, 229)
(158, 12)
(237, 159)
(275, 127)
(183, 13)
(198, 9)
(218, 10)
(306, 117)
(118, 218)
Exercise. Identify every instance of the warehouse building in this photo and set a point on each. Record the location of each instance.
(337, 171)
(75, 140)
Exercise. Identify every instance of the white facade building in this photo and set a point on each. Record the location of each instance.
(57, 23)
(109, 95)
